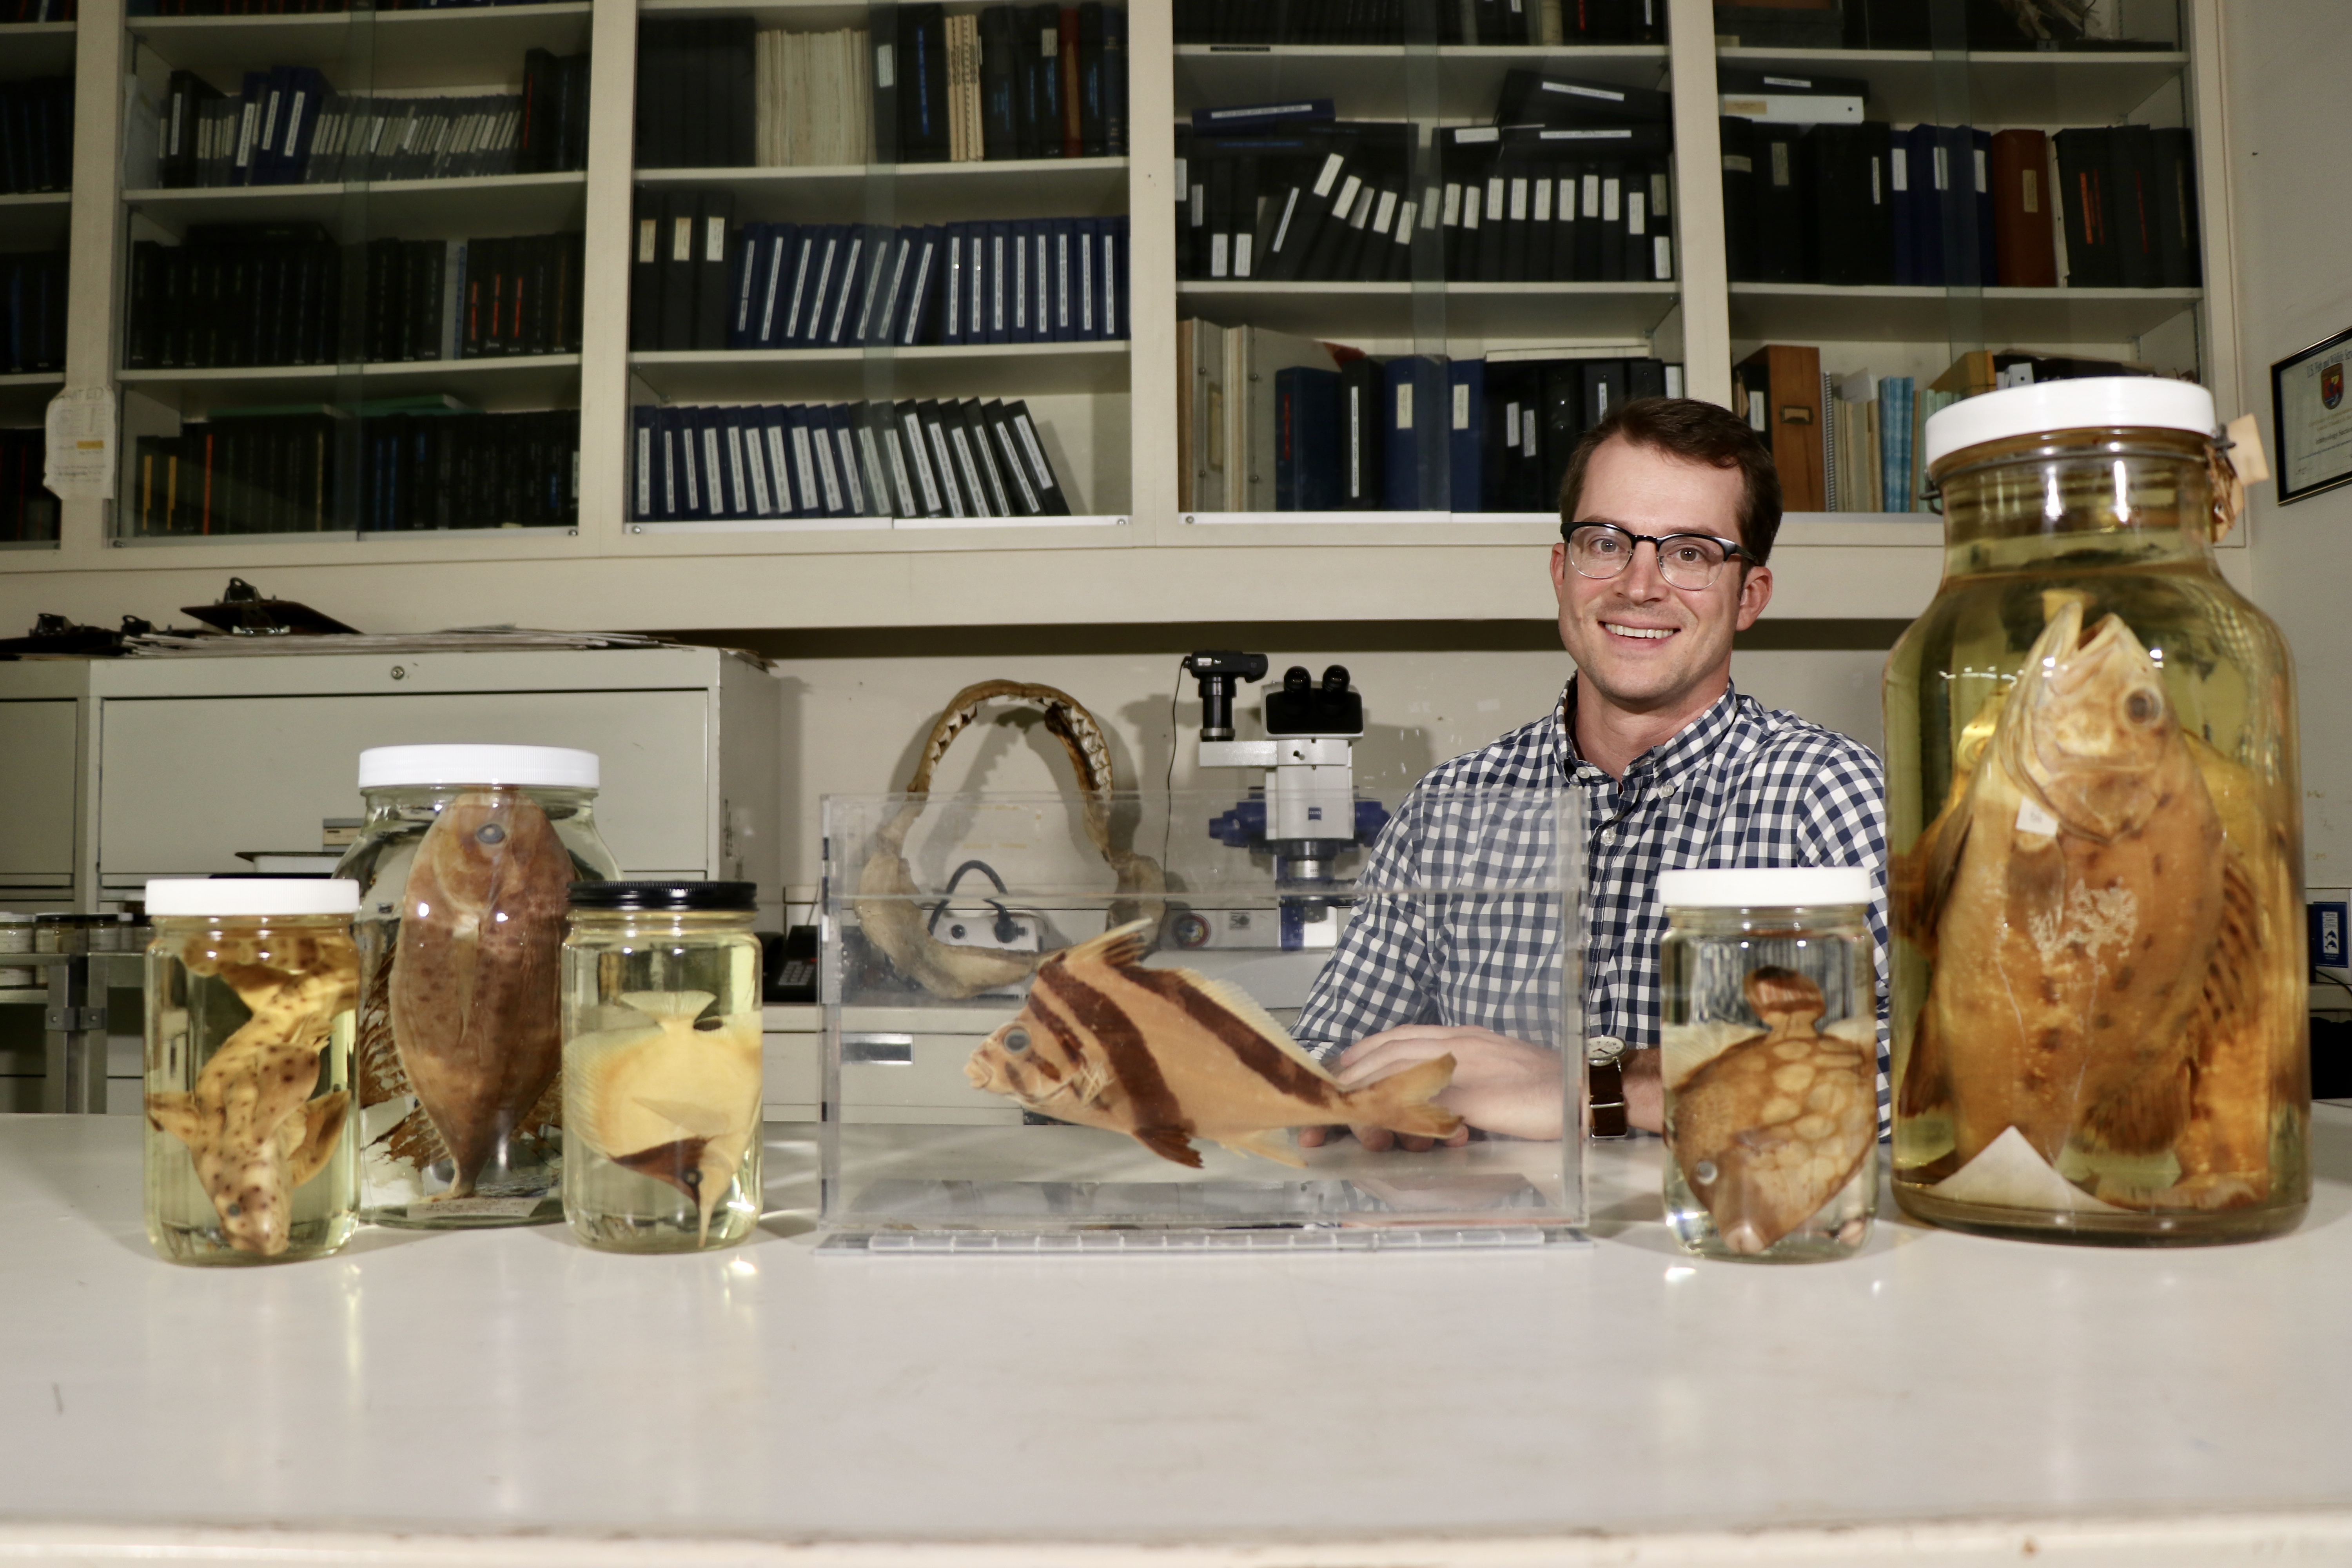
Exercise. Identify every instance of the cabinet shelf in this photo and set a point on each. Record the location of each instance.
(981, 370)
(411, 209)
(37, 220)
(37, 49)
(393, 48)
(1829, 311)
(1990, 89)
(1618, 311)
(915, 193)
(521, 380)
(1388, 81)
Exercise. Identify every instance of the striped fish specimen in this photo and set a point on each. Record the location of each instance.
(1167, 1056)
(1768, 1130)
(473, 1005)
(2094, 897)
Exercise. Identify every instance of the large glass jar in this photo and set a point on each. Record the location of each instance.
(251, 986)
(2096, 834)
(1769, 1055)
(465, 864)
(661, 1066)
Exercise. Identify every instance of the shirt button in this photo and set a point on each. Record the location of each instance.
(1609, 836)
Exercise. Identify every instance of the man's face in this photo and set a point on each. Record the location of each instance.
(1642, 642)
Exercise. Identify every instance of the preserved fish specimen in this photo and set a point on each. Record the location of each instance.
(1769, 1129)
(474, 1000)
(251, 1123)
(674, 1096)
(1168, 1055)
(2096, 930)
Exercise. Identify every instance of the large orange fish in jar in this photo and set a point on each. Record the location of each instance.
(2098, 896)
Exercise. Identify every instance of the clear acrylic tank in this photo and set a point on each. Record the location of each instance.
(1017, 1047)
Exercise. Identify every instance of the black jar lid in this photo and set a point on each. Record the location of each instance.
(665, 896)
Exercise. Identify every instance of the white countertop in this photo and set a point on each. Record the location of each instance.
(482, 1392)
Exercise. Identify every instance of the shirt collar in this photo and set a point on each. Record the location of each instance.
(1664, 763)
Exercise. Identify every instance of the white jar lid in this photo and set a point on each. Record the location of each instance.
(2094, 402)
(554, 767)
(252, 896)
(1766, 888)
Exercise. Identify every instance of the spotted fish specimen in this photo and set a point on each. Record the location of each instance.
(1769, 1129)
(2098, 930)
(474, 998)
(1168, 1055)
(674, 1096)
(253, 1127)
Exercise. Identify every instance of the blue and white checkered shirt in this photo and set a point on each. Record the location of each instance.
(1741, 786)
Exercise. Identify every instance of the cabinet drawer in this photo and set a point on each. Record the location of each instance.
(36, 779)
(188, 782)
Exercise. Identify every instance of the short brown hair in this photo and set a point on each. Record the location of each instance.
(1694, 432)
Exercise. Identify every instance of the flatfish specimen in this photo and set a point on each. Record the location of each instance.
(474, 1001)
(1168, 1055)
(2097, 933)
(1770, 1129)
(674, 1096)
(251, 1124)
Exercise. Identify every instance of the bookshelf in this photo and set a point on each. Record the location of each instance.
(1111, 405)
(36, 283)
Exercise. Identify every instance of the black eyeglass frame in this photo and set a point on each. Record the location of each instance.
(1732, 549)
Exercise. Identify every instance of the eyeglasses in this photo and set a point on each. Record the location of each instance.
(1603, 550)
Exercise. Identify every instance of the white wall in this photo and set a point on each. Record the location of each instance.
(2290, 184)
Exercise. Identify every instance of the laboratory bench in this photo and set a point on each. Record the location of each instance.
(512, 1398)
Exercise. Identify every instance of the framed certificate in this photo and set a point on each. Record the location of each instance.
(2311, 420)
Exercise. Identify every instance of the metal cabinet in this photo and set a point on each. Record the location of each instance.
(116, 771)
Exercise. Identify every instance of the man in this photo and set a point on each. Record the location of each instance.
(1669, 509)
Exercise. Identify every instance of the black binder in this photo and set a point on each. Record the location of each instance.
(2179, 248)
(713, 267)
(1782, 211)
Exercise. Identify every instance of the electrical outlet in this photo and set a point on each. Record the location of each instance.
(2327, 935)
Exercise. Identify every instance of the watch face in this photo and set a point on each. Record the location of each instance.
(1604, 1051)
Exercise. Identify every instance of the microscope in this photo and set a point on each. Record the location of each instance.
(1304, 814)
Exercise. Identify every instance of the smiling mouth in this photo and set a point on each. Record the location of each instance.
(1638, 634)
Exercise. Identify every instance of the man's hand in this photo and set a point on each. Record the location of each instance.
(1645, 1093)
(1499, 1084)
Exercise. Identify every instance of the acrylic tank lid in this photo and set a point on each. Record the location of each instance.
(170, 896)
(550, 767)
(1765, 888)
(2092, 402)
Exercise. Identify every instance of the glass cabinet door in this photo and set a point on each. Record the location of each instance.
(352, 276)
(1928, 200)
(879, 265)
(1420, 248)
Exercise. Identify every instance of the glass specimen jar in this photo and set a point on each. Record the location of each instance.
(661, 1066)
(252, 984)
(466, 863)
(2099, 1005)
(1769, 1055)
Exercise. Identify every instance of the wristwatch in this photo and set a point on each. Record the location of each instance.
(1604, 1078)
